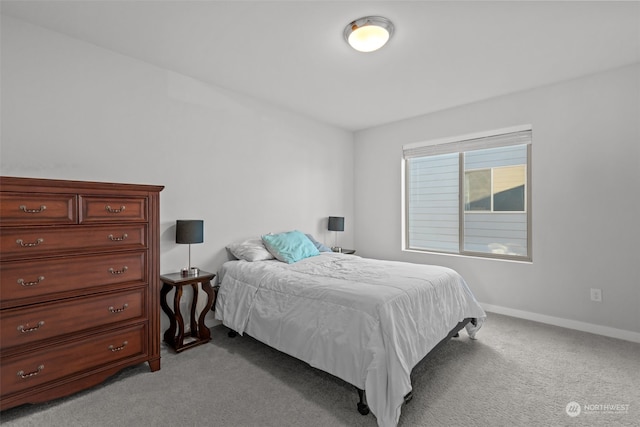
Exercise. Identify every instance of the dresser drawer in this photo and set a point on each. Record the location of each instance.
(38, 322)
(42, 278)
(38, 209)
(18, 243)
(101, 209)
(20, 372)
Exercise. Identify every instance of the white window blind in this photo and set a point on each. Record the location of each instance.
(471, 144)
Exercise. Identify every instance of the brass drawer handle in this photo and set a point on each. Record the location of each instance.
(113, 210)
(24, 209)
(21, 282)
(114, 349)
(22, 375)
(24, 330)
(117, 239)
(29, 245)
(112, 271)
(118, 310)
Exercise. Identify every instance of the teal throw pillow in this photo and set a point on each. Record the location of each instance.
(290, 247)
(320, 246)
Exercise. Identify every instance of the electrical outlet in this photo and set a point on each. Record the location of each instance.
(596, 295)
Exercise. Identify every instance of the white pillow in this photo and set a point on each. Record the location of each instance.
(250, 250)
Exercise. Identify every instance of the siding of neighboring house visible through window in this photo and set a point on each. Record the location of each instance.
(433, 214)
(482, 231)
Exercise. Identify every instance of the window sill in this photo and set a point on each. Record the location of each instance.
(481, 257)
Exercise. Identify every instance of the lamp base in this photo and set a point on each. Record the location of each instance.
(193, 271)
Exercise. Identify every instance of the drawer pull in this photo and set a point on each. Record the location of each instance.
(118, 310)
(112, 210)
(114, 349)
(117, 239)
(24, 330)
(24, 209)
(29, 245)
(112, 271)
(23, 283)
(22, 375)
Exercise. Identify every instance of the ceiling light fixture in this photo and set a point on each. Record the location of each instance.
(369, 33)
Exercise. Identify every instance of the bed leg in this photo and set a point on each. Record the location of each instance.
(363, 408)
(232, 333)
(473, 321)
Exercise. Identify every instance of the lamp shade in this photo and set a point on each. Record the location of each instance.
(336, 223)
(189, 231)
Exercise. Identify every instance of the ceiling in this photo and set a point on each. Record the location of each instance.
(292, 53)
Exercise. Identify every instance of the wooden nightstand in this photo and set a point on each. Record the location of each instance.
(174, 336)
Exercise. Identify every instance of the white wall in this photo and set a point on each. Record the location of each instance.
(586, 200)
(72, 110)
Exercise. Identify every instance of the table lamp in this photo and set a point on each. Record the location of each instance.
(336, 223)
(190, 231)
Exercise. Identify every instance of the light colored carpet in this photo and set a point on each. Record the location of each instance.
(518, 373)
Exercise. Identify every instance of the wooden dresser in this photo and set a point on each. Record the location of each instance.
(79, 294)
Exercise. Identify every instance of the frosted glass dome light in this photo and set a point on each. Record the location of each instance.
(369, 33)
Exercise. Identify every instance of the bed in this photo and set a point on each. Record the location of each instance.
(368, 322)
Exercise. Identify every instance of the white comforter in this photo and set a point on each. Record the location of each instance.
(368, 322)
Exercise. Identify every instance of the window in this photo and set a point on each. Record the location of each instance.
(470, 195)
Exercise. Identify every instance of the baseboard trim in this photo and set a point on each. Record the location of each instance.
(565, 323)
